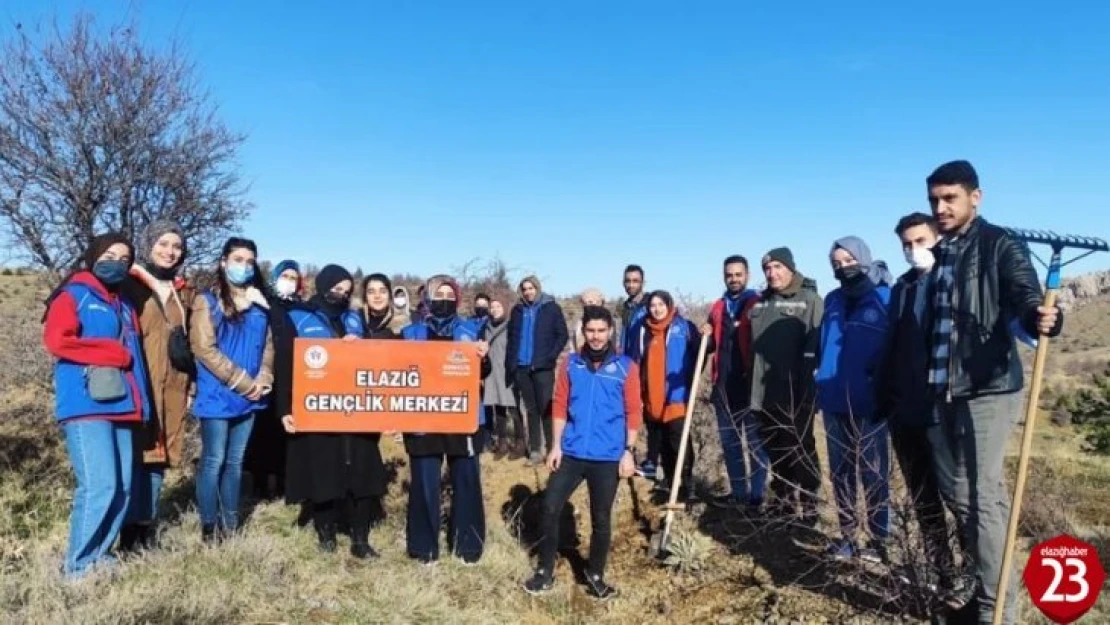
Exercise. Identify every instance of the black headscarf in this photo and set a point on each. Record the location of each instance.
(326, 280)
(96, 248)
(101, 243)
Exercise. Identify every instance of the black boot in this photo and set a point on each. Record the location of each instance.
(518, 450)
(326, 533)
(129, 539)
(305, 516)
(208, 534)
(148, 536)
(360, 544)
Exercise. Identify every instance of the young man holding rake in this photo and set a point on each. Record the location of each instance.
(982, 280)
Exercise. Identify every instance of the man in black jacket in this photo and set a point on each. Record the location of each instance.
(981, 280)
(903, 395)
(537, 335)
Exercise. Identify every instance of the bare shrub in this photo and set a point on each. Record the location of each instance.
(99, 131)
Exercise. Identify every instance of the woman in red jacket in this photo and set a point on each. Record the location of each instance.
(101, 394)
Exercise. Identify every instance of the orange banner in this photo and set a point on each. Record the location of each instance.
(379, 386)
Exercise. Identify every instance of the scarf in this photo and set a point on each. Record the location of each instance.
(331, 312)
(442, 327)
(377, 321)
(596, 356)
(655, 371)
(734, 302)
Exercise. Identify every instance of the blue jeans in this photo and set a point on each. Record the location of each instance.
(223, 444)
(102, 458)
(146, 489)
(859, 451)
(747, 473)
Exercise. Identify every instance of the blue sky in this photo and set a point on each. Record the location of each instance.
(570, 138)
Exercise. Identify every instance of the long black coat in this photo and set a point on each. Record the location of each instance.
(323, 467)
(266, 449)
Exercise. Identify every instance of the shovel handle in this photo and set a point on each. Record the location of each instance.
(676, 482)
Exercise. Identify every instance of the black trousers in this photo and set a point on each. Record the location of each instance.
(916, 459)
(655, 434)
(535, 389)
(466, 533)
(507, 423)
(601, 479)
(670, 435)
(788, 439)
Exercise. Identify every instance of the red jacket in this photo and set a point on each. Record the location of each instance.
(742, 326)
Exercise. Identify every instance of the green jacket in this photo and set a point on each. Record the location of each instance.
(786, 330)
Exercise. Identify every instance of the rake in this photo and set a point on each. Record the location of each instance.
(1058, 243)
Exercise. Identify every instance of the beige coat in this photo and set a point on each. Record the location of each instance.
(202, 338)
(162, 306)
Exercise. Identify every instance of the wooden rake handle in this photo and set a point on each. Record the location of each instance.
(1023, 463)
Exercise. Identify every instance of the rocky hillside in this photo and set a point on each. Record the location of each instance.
(1085, 288)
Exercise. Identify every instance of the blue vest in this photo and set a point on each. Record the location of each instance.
(632, 328)
(312, 324)
(463, 330)
(100, 319)
(243, 342)
(597, 427)
(852, 344)
(682, 356)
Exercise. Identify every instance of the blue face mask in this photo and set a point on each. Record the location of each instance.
(239, 275)
(111, 272)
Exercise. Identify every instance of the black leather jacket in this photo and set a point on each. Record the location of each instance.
(994, 283)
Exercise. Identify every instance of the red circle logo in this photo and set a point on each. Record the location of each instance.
(1064, 577)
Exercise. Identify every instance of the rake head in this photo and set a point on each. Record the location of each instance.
(1059, 241)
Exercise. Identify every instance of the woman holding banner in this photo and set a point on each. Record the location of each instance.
(377, 307)
(467, 524)
(340, 474)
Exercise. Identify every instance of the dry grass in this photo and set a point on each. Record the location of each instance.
(273, 572)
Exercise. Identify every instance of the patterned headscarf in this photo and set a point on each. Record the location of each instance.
(154, 231)
(441, 326)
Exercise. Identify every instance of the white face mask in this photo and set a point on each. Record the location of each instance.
(285, 287)
(399, 302)
(920, 258)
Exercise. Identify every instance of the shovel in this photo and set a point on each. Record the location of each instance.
(660, 542)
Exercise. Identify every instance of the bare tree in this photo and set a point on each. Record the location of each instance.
(100, 132)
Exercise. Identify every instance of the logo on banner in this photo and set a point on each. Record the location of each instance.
(316, 357)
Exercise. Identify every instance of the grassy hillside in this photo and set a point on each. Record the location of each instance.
(729, 569)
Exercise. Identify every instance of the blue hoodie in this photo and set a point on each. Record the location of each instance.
(528, 330)
(537, 335)
(853, 340)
